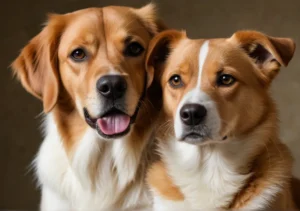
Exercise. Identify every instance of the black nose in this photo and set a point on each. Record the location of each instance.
(112, 86)
(192, 114)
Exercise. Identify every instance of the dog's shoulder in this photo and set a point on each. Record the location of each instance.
(269, 186)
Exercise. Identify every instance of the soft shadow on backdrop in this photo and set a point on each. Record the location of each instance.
(21, 20)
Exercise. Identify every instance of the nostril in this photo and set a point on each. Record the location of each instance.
(104, 88)
(120, 87)
(200, 112)
(185, 115)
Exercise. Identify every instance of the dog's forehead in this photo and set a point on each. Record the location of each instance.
(121, 22)
(118, 16)
(184, 56)
(211, 55)
(215, 55)
(83, 27)
(97, 26)
(222, 53)
(100, 20)
(216, 51)
(202, 59)
(193, 52)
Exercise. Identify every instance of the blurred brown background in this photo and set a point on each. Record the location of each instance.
(21, 20)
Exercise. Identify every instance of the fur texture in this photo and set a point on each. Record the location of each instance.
(232, 157)
(78, 167)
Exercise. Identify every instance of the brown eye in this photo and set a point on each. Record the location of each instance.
(78, 55)
(134, 49)
(225, 80)
(175, 81)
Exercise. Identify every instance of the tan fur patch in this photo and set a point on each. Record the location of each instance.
(266, 175)
(159, 179)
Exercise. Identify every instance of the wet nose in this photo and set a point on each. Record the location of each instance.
(112, 86)
(192, 114)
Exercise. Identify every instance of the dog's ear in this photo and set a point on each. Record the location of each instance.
(37, 65)
(268, 53)
(159, 49)
(149, 18)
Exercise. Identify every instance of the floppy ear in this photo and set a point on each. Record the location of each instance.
(268, 53)
(159, 49)
(149, 18)
(37, 65)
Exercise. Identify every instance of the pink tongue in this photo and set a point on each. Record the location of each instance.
(113, 124)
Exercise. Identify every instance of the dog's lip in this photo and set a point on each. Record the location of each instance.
(92, 122)
(193, 138)
(197, 138)
(192, 135)
(107, 113)
(112, 111)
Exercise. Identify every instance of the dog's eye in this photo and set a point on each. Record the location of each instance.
(134, 49)
(175, 81)
(225, 80)
(78, 55)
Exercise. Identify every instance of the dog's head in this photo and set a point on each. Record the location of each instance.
(217, 88)
(96, 57)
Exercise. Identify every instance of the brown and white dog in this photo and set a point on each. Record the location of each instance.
(219, 138)
(88, 68)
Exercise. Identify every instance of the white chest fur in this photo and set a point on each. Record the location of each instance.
(97, 176)
(207, 178)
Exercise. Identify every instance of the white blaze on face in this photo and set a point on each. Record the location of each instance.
(197, 96)
(202, 57)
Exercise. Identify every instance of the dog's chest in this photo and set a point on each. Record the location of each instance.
(206, 180)
(99, 176)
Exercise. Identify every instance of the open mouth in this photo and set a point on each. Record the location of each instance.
(114, 123)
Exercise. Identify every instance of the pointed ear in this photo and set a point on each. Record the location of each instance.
(159, 49)
(268, 53)
(37, 65)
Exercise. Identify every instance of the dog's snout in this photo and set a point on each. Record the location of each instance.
(192, 114)
(112, 86)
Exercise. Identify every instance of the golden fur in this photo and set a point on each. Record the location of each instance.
(46, 71)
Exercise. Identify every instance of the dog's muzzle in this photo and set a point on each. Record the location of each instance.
(113, 121)
(193, 117)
